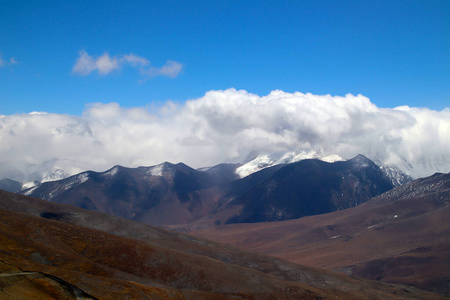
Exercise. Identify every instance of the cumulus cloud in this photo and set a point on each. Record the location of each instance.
(105, 64)
(227, 126)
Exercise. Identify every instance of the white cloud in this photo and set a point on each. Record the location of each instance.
(135, 60)
(10, 62)
(170, 69)
(226, 126)
(105, 64)
(86, 64)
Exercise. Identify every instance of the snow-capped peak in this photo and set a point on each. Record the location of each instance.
(33, 174)
(267, 160)
(165, 169)
(56, 174)
(396, 176)
(111, 172)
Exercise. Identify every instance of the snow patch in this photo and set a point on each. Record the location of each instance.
(156, 170)
(27, 193)
(68, 184)
(30, 184)
(54, 175)
(82, 178)
(396, 176)
(111, 172)
(51, 170)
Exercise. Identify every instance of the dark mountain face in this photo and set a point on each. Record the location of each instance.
(10, 185)
(170, 194)
(310, 187)
(156, 195)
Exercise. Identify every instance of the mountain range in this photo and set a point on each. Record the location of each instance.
(17, 176)
(177, 195)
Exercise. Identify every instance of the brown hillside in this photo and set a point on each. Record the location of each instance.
(119, 259)
(402, 236)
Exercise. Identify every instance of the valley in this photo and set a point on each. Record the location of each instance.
(400, 236)
(106, 257)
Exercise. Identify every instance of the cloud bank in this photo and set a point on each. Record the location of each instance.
(228, 126)
(105, 64)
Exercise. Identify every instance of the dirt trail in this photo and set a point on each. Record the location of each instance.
(18, 274)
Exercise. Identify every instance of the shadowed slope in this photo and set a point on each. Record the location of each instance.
(310, 187)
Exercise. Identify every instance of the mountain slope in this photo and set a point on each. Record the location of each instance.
(400, 236)
(106, 257)
(308, 187)
(156, 195)
(10, 185)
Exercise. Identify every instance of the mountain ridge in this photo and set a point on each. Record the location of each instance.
(30, 175)
(177, 195)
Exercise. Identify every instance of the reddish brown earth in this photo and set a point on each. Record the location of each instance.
(402, 236)
(49, 250)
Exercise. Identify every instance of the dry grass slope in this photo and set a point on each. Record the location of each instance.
(113, 258)
(402, 236)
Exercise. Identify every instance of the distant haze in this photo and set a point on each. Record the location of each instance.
(228, 126)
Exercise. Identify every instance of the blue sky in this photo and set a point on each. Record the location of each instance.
(394, 52)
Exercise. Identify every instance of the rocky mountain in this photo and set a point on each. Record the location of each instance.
(177, 195)
(395, 175)
(30, 175)
(401, 236)
(262, 161)
(49, 250)
(10, 185)
(307, 187)
(161, 195)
